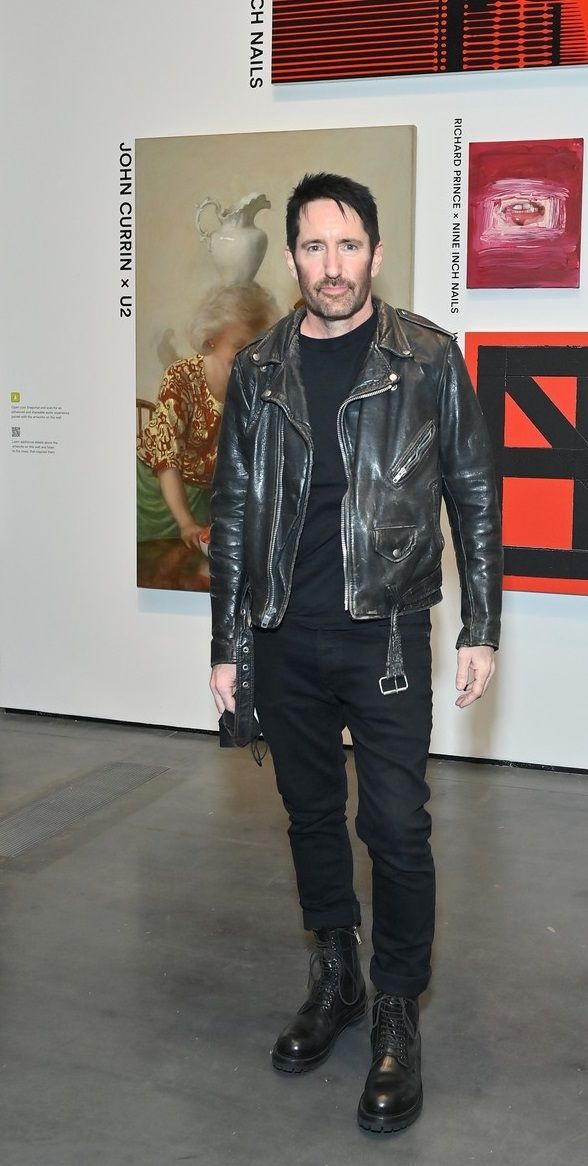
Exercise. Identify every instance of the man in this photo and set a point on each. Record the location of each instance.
(343, 428)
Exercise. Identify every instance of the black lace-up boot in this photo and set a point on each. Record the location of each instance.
(336, 998)
(393, 1095)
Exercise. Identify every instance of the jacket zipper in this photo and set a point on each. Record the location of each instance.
(421, 443)
(277, 501)
(345, 541)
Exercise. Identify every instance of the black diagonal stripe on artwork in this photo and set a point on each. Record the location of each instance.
(580, 518)
(553, 360)
(536, 562)
(547, 418)
(544, 463)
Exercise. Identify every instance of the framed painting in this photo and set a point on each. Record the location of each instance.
(533, 389)
(328, 40)
(524, 213)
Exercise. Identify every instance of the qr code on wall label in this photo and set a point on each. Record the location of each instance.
(16, 430)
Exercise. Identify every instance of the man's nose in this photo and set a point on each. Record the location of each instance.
(332, 262)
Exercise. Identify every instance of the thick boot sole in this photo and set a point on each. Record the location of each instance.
(389, 1125)
(305, 1065)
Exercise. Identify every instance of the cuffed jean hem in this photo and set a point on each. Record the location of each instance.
(316, 920)
(392, 985)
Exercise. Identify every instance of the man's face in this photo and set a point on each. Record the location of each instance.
(333, 263)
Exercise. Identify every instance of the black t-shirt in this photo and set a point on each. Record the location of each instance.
(330, 369)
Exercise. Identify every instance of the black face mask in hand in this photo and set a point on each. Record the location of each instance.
(230, 736)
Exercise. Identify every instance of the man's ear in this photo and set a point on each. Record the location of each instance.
(377, 259)
(291, 264)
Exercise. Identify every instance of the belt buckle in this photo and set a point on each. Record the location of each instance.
(393, 685)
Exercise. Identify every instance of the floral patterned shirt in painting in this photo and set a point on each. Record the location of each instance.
(183, 430)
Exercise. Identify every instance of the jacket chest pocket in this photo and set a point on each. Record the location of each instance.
(412, 456)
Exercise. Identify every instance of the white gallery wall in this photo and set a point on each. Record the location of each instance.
(77, 637)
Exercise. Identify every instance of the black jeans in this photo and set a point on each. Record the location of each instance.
(308, 685)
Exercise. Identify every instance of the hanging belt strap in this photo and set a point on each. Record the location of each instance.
(395, 679)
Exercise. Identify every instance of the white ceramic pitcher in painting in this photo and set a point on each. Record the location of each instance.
(237, 246)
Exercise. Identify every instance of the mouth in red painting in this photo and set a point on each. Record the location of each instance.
(522, 212)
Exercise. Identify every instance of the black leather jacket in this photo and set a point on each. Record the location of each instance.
(410, 432)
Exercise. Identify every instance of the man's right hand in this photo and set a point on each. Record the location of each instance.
(223, 682)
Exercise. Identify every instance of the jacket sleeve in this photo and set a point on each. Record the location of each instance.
(229, 493)
(469, 490)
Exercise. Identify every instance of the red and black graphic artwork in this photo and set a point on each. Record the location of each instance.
(533, 389)
(322, 40)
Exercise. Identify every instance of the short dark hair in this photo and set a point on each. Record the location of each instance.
(343, 191)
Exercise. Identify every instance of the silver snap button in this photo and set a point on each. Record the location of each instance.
(266, 394)
(396, 553)
(255, 355)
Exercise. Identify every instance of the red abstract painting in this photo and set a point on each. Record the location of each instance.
(325, 40)
(533, 389)
(524, 213)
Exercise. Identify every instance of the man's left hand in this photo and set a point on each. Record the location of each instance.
(475, 667)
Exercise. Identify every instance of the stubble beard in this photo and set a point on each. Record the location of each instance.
(342, 309)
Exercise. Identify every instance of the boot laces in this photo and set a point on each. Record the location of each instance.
(327, 968)
(392, 1028)
(324, 978)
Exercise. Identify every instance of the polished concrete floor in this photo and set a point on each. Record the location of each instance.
(152, 950)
